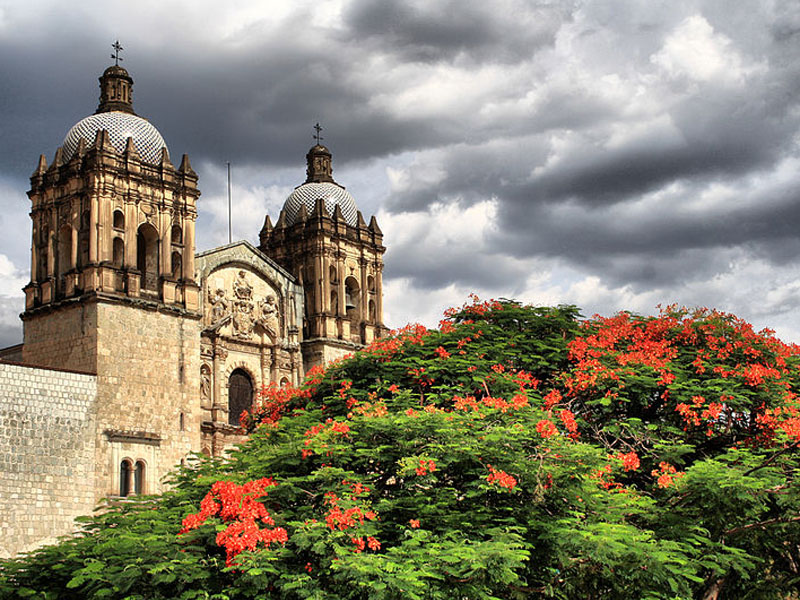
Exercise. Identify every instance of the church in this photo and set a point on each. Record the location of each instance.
(137, 350)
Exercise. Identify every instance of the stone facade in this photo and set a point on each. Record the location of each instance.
(172, 346)
(47, 452)
(252, 315)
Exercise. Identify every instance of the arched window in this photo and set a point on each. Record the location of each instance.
(138, 478)
(240, 395)
(119, 220)
(371, 283)
(147, 256)
(83, 240)
(182, 422)
(352, 299)
(64, 250)
(372, 310)
(333, 274)
(125, 476)
(119, 252)
(334, 302)
(177, 234)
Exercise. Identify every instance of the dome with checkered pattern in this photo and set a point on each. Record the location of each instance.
(120, 126)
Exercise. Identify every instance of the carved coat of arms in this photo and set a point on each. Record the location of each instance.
(242, 311)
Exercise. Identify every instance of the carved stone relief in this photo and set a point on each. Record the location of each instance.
(243, 312)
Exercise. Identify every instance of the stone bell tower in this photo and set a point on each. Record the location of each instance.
(113, 290)
(323, 240)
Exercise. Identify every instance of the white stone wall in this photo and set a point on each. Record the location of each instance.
(47, 453)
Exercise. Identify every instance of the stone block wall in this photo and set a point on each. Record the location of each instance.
(148, 387)
(62, 338)
(47, 453)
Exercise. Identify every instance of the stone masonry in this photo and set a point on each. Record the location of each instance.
(47, 448)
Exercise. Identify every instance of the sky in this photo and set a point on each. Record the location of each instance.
(615, 155)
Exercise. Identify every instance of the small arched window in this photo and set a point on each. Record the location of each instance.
(64, 249)
(119, 220)
(119, 252)
(125, 476)
(147, 256)
(352, 298)
(177, 234)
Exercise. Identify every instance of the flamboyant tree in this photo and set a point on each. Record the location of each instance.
(515, 452)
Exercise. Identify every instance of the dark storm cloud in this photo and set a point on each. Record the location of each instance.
(458, 29)
(570, 117)
(575, 208)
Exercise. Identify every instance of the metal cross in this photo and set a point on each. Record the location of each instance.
(317, 136)
(117, 47)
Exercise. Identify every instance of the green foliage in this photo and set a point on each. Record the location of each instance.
(516, 452)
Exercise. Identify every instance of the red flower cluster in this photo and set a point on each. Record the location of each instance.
(546, 429)
(371, 543)
(719, 347)
(552, 398)
(666, 474)
(501, 478)
(236, 504)
(425, 467)
(568, 418)
(337, 427)
(630, 460)
(442, 353)
(336, 518)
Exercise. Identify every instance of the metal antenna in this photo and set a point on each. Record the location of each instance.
(117, 47)
(230, 234)
(317, 136)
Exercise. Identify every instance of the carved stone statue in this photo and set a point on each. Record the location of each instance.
(205, 382)
(219, 305)
(242, 289)
(269, 316)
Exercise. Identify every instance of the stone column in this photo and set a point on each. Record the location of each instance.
(166, 243)
(188, 247)
(379, 294)
(326, 285)
(51, 244)
(93, 227)
(73, 258)
(35, 248)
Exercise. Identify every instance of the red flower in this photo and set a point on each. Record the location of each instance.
(546, 428)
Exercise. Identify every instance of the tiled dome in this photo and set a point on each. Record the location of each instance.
(333, 195)
(120, 126)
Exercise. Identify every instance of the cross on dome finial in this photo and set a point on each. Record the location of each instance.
(317, 136)
(117, 47)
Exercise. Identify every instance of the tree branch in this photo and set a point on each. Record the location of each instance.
(772, 458)
(760, 524)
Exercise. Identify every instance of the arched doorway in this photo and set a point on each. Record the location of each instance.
(147, 256)
(240, 395)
